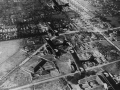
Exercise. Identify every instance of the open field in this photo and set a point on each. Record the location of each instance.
(8, 49)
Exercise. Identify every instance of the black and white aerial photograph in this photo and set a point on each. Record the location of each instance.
(59, 44)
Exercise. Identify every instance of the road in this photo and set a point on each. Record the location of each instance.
(28, 58)
(77, 5)
(111, 29)
(99, 66)
(43, 81)
(111, 42)
(96, 29)
(51, 79)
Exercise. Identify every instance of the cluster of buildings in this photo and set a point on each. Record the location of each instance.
(80, 47)
(103, 80)
(8, 32)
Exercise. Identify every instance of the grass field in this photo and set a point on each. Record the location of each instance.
(8, 48)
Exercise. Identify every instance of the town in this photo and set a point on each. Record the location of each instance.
(59, 45)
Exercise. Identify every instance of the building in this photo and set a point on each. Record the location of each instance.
(108, 79)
